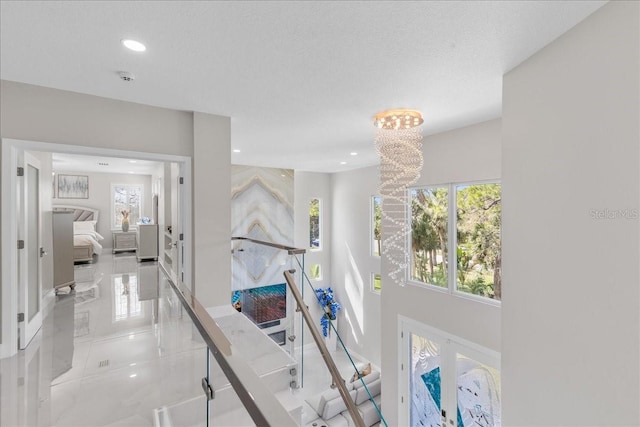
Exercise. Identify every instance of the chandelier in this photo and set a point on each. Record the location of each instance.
(398, 143)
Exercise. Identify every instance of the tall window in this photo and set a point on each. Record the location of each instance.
(376, 225)
(126, 197)
(467, 218)
(429, 235)
(314, 224)
(479, 213)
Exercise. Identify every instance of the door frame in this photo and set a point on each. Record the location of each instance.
(10, 150)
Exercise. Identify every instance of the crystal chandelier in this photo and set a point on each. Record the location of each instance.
(398, 143)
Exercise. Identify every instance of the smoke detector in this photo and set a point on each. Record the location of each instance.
(126, 76)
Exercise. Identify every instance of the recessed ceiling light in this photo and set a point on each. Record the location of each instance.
(343, 163)
(353, 153)
(133, 375)
(236, 151)
(131, 172)
(133, 161)
(134, 45)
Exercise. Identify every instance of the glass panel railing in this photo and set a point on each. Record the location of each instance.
(266, 279)
(239, 376)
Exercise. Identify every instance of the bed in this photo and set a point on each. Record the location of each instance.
(86, 240)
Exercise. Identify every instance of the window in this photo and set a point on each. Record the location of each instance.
(478, 240)
(376, 227)
(314, 224)
(429, 235)
(376, 282)
(126, 197)
(465, 217)
(315, 272)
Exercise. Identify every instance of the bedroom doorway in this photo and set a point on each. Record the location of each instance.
(15, 333)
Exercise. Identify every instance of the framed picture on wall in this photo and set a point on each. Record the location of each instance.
(73, 186)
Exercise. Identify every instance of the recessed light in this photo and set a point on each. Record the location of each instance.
(236, 151)
(353, 153)
(133, 161)
(134, 45)
(133, 375)
(131, 172)
(343, 163)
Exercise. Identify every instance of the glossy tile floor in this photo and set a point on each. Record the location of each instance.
(113, 351)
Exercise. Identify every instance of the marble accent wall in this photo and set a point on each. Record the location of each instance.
(261, 208)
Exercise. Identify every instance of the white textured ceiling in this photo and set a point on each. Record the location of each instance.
(301, 80)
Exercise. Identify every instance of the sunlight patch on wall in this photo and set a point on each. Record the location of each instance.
(354, 285)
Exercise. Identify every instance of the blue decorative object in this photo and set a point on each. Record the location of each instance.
(330, 307)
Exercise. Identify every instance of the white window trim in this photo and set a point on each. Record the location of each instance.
(112, 218)
(452, 242)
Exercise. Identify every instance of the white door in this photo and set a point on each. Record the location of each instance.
(29, 258)
(176, 223)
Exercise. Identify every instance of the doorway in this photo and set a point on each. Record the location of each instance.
(445, 380)
(13, 153)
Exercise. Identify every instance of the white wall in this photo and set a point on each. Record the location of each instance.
(466, 154)
(38, 113)
(353, 263)
(212, 209)
(570, 326)
(100, 198)
(309, 185)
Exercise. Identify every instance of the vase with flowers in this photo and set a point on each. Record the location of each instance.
(330, 307)
(125, 220)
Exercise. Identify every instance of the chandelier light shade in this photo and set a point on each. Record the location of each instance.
(399, 145)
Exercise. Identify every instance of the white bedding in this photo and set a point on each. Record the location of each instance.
(88, 238)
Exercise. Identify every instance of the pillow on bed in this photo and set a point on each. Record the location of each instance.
(84, 227)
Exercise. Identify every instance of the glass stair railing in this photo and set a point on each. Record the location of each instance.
(289, 312)
(261, 360)
(240, 377)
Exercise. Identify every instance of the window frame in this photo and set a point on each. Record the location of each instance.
(133, 226)
(452, 240)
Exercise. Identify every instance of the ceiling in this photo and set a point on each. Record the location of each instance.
(300, 80)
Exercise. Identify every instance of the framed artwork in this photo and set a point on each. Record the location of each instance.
(73, 186)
